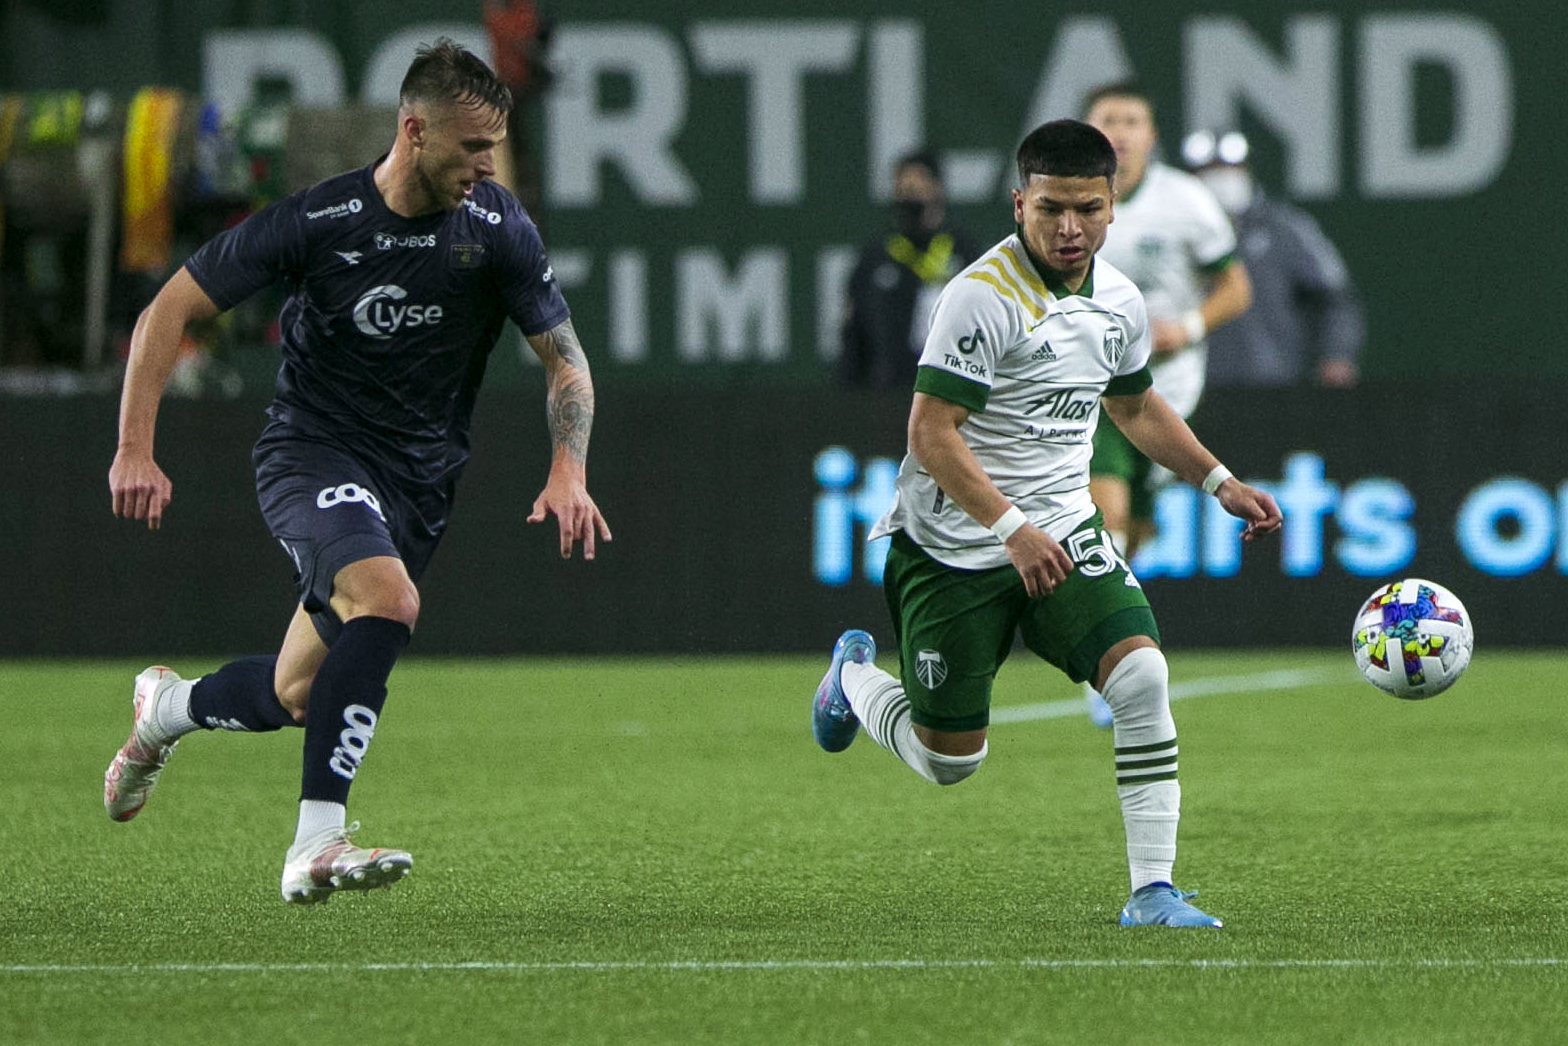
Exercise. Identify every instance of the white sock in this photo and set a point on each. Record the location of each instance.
(882, 707)
(1144, 736)
(171, 712)
(318, 817)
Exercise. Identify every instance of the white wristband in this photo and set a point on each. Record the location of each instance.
(1008, 522)
(1192, 323)
(1212, 481)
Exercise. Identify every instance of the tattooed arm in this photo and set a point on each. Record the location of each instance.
(569, 410)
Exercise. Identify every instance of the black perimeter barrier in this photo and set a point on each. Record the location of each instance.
(723, 521)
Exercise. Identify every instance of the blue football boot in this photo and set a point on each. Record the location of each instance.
(1161, 904)
(833, 722)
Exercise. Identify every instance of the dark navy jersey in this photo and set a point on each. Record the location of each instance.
(388, 320)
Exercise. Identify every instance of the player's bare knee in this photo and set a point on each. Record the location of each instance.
(945, 769)
(395, 600)
(294, 696)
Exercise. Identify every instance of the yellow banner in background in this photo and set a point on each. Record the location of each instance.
(150, 126)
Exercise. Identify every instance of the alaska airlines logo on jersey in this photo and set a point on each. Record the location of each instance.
(930, 669)
(336, 210)
(378, 314)
(1115, 345)
(1064, 405)
(386, 241)
(479, 212)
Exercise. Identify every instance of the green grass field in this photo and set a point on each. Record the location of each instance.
(653, 851)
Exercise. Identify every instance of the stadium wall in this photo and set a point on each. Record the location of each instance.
(705, 172)
(739, 518)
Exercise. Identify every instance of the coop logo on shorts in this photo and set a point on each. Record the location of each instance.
(346, 494)
(1115, 345)
(378, 314)
(350, 752)
(479, 212)
(930, 669)
(385, 241)
(336, 210)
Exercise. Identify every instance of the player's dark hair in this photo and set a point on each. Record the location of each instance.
(1066, 149)
(1117, 89)
(444, 72)
(923, 158)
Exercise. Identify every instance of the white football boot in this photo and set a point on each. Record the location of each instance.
(135, 768)
(317, 868)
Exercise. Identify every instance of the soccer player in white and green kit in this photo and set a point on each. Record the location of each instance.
(993, 530)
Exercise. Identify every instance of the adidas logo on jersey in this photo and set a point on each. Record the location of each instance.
(1043, 354)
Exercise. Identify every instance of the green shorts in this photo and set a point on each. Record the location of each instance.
(1114, 455)
(955, 627)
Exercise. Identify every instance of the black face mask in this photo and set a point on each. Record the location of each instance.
(909, 220)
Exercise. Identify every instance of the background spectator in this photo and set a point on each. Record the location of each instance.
(1306, 321)
(897, 278)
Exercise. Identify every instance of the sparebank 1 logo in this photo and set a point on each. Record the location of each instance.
(843, 515)
(378, 314)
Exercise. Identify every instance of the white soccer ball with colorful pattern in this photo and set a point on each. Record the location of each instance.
(1412, 638)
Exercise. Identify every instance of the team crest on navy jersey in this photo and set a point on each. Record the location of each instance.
(467, 255)
(1115, 345)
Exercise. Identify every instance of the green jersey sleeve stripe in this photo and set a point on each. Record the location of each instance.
(945, 385)
(1218, 265)
(1128, 384)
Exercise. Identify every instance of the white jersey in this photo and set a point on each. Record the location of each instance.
(1167, 235)
(1030, 361)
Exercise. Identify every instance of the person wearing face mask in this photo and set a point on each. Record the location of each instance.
(897, 278)
(1306, 322)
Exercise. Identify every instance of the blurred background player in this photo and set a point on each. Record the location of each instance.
(897, 278)
(400, 275)
(994, 536)
(1306, 323)
(1173, 240)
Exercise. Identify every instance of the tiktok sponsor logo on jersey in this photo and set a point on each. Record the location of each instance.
(359, 728)
(378, 314)
(336, 210)
(345, 494)
(479, 212)
(385, 241)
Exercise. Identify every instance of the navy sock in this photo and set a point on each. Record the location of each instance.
(345, 701)
(239, 696)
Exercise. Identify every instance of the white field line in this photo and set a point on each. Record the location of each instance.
(635, 966)
(1283, 679)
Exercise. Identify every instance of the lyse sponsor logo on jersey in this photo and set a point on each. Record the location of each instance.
(336, 210)
(479, 212)
(345, 494)
(350, 752)
(385, 241)
(378, 314)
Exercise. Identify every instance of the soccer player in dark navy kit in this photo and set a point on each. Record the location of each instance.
(400, 276)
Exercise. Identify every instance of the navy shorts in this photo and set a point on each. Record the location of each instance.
(329, 507)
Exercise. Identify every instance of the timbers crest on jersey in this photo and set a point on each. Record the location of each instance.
(1115, 345)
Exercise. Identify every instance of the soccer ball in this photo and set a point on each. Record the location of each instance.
(1412, 638)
